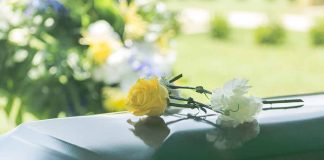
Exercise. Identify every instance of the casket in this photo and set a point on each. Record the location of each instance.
(180, 135)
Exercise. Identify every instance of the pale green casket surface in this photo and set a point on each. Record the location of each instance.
(277, 134)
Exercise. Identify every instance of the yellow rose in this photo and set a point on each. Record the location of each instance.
(147, 97)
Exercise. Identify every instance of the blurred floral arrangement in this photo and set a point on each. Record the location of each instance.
(66, 58)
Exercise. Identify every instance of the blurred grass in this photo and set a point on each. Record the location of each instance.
(291, 68)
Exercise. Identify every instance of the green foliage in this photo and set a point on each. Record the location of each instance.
(162, 16)
(50, 85)
(174, 23)
(45, 68)
(45, 81)
(220, 27)
(270, 34)
(317, 33)
(91, 11)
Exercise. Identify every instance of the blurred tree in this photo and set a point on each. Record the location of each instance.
(220, 27)
(317, 33)
(270, 34)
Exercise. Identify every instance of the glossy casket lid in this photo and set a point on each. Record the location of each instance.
(278, 134)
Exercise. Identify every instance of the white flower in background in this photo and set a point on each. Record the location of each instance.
(20, 36)
(38, 69)
(117, 69)
(37, 20)
(142, 3)
(38, 58)
(37, 72)
(161, 7)
(126, 65)
(117, 64)
(148, 60)
(20, 55)
(237, 107)
(164, 63)
(102, 41)
(78, 65)
(102, 29)
(9, 16)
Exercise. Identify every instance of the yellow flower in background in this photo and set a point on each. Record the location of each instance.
(163, 42)
(135, 26)
(147, 97)
(114, 100)
(100, 50)
(102, 41)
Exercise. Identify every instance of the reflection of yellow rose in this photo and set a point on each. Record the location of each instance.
(147, 97)
(151, 130)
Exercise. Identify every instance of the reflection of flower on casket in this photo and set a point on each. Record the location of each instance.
(152, 130)
(233, 137)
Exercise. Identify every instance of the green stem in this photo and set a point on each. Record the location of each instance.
(181, 105)
(180, 87)
(175, 78)
(282, 101)
(198, 89)
(179, 98)
(9, 104)
(191, 103)
(191, 100)
(271, 102)
(289, 107)
(74, 98)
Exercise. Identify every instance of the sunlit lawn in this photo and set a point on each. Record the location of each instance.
(223, 6)
(292, 68)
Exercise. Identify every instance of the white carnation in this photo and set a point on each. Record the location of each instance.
(237, 107)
